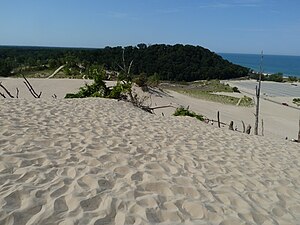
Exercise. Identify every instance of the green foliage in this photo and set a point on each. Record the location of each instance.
(211, 86)
(207, 90)
(246, 101)
(5, 69)
(97, 89)
(181, 111)
(177, 62)
(141, 80)
(276, 77)
(235, 89)
(296, 101)
(292, 79)
(153, 81)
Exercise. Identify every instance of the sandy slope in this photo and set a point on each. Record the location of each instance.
(279, 121)
(97, 161)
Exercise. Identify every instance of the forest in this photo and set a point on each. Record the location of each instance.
(168, 62)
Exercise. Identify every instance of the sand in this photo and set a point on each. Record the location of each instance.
(100, 161)
(280, 122)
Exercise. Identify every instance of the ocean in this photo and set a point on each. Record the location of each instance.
(288, 65)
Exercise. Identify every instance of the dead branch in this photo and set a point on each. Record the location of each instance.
(231, 125)
(17, 94)
(30, 88)
(244, 127)
(161, 107)
(225, 124)
(129, 68)
(121, 67)
(248, 130)
(2, 95)
(56, 71)
(4, 88)
(123, 58)
(150, 109)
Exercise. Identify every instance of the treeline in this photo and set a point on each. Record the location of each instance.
(276, 77)
(177, 62)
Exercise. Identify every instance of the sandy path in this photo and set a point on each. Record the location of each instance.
(97, 161)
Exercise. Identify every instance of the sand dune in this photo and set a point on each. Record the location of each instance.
(98, 161)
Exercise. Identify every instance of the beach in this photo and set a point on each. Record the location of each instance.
(101, 161)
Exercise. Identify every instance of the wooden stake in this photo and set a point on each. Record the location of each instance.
(218, 116)
(231, 125)
(258, 96)
(262, 127)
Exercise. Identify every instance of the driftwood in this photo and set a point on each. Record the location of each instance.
(30, 88)
(56, 71)
(150, 109)
(244, 127)
(7, 92)
(231, 125)
(248, 130)
(2, 95)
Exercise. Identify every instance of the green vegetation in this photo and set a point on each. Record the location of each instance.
(161, 62)
(293, 79)
(276, 77)
(246, 101)
(207, 90)
(181, 111)
(296, 101)
(99, 89)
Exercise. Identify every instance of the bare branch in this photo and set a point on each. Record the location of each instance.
(56, 71)
(17, 95)
(123, 58)
(120, 67)
(161, 107)
(4, 88)
(244, 127)
(130, 65)
(2, 95)
(30, 88)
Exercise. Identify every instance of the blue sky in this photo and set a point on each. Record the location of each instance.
(238, 26)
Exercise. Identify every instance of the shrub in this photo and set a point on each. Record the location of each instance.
(181, 111)
(153, 81)
(235, 89)
(141, 81)
(97, 89)
(296, 101)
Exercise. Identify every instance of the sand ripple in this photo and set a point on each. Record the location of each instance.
(96, 161)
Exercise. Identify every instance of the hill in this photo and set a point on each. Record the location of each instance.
(169, 62)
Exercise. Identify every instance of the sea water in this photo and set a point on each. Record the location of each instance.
(288, 65)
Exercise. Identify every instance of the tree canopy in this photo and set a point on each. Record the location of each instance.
(169, 62)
